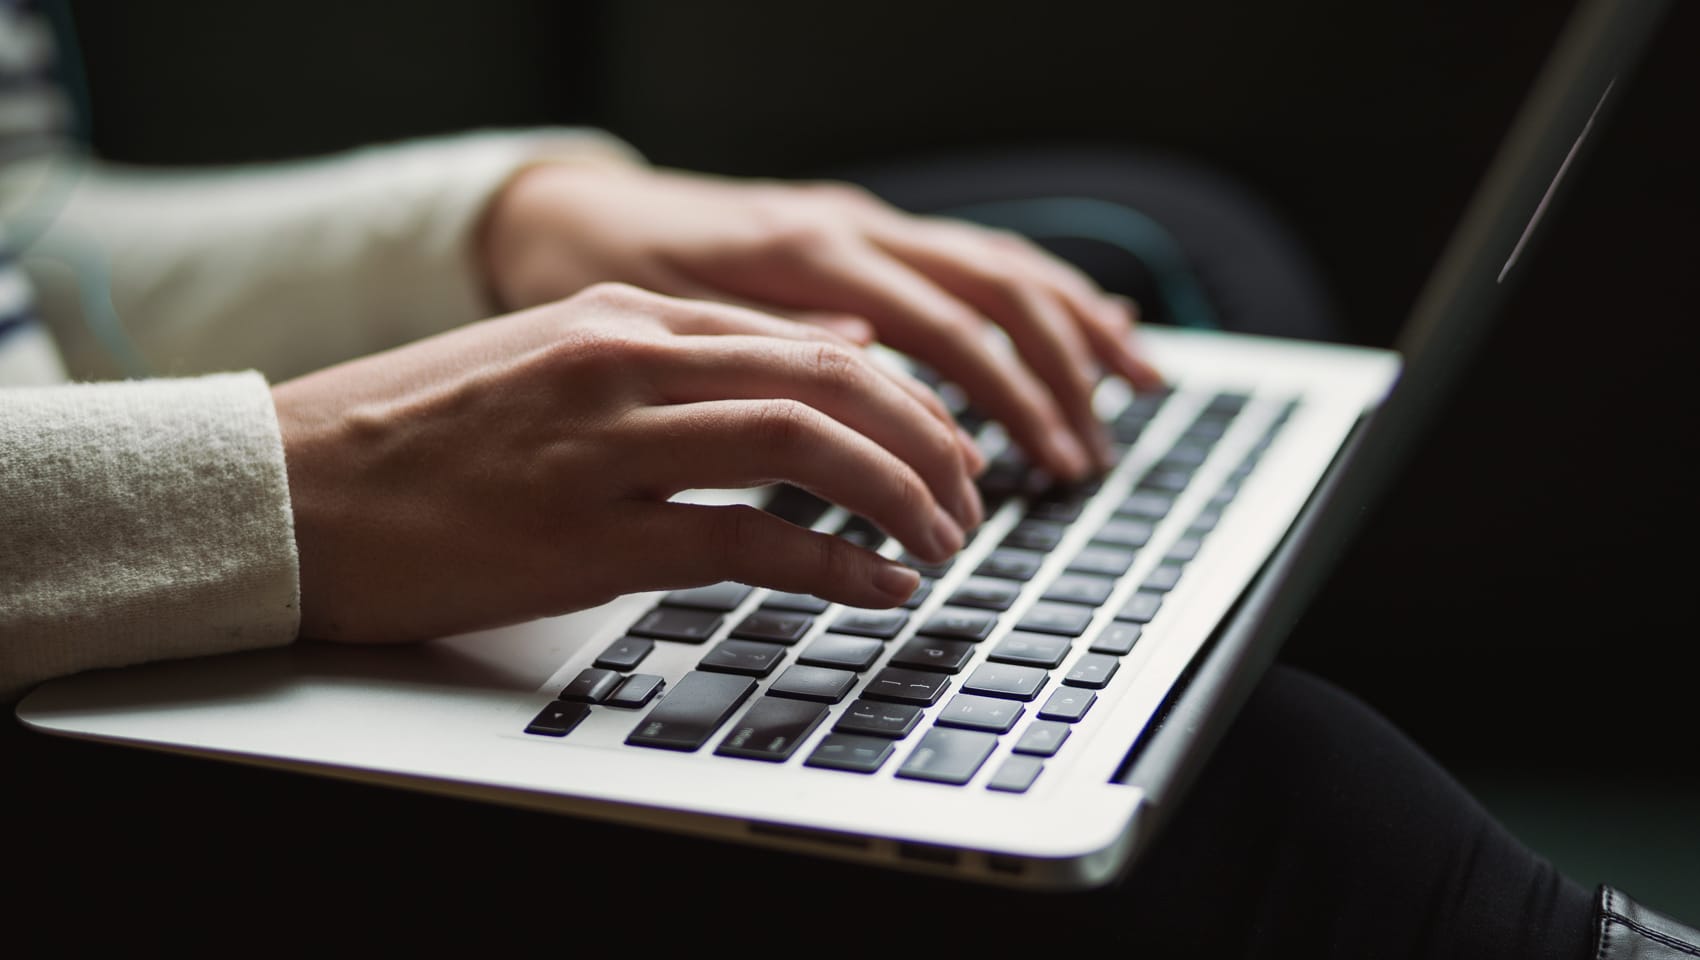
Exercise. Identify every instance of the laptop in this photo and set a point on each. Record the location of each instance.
(1032, 716)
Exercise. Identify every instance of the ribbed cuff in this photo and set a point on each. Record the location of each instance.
(142, 521)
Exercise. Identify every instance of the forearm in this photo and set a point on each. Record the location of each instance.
(141, 521)
(285, 268)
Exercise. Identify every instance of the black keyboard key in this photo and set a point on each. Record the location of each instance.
(1006, 680)
(716, 596)
(748, 657)
(1042, 738)
(870, 718)
(796, 505)
(1166, 479)
(1082, 588)
(1031, 649)
(1207, 429)
(1141, 607)
(970, 625)
(883, 624)
(1184, 549)
(844, 751)
(1226, 404)
(625, 653)
(774, 626)
(1223, 497)
(1092, 671)
(1204, 523)
(592, 685)
(1008, 475)
(920, 595)
(635, 691)
(1060, 505)
(1164, 578)
(862, 532)
(1038, 535)
(675, 623)
(690, 713)
(1188, 454)
(971, 712)
(844, 653)
(1116, 639)
(1146, 505)
(771, 729)
(558, 719)
(925, 569)
(800, 602)
(1068, 704)
(986, 593)
(1124, 532)
(1101, 559)
(820, 684)
(1010, 564)
(934, 653)
(948, 756)
(900, 685)
(1016, 774)
(1062, 619)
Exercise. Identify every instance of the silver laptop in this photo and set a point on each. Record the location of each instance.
(1031, 716)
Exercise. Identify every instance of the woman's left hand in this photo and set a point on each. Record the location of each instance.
(833, 253)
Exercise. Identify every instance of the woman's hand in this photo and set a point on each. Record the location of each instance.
(521, 467)
(929, 287)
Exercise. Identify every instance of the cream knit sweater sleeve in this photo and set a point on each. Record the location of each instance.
(140, 521)
(150, 519)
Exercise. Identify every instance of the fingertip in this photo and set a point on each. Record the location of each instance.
(854, 329)
(972, 458)
(895, 581)
(1129, 307)
(1069, 456)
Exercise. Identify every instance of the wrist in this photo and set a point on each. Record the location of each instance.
(525, 242)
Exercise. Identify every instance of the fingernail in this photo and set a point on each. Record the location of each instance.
(975, 460)
(896, 581)
(1074, 459)
(947, 535)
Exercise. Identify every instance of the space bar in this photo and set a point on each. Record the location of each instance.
(691, 711)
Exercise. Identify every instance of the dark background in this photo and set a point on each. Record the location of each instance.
(1521, 604)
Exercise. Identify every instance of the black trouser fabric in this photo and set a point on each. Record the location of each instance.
(1318, 830)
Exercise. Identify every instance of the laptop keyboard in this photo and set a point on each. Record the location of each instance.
(959, 667)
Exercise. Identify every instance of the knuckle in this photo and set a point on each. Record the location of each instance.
(802, 242)
(599, 354)
(835, 367)
(912, 494)
(833, 560)
(739, 535)
(784, 426)
(612, 294)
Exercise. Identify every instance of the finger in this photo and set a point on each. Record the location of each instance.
(849, 326)
(1043, 329)
(1107, 320)
(697, 317)
(707, 544)
(838, 381)
(915, 316)
(742, 443)
(1114, 341)
(710, 318)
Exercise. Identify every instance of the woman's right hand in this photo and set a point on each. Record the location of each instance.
(522, 467)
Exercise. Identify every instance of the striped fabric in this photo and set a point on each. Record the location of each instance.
(34, 116)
